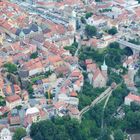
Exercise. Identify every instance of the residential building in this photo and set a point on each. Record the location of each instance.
(14, 117)
(12, 101)
(132, 98)
(33, 115)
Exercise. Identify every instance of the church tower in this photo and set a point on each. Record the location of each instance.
(104, 69)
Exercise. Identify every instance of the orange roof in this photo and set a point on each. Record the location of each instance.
(59, 104)
(74, 110)
(97, 72)
(73, 94)
(120, 1)
(16, 46)
(54, 59)
(76, 73)
(33, 64)
(17, 89)
(12, 98)
(133, 97)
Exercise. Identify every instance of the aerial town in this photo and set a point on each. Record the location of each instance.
(69, 69)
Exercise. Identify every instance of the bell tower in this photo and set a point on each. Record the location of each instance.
(104, 69)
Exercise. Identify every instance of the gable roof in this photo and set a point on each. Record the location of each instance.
(97, 73)
(12, 98)
(133, 97)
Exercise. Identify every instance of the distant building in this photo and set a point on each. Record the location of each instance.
(99, 80)
(131, 98)
(13, 101)
(13, 117)
(34, 115)
(97, 77)
(73, 112)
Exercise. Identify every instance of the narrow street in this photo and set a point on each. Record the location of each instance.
(106, 93)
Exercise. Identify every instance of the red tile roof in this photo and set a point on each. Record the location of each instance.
(133, 97)
(97, 72)
(12, 98)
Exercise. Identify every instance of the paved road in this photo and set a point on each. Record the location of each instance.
(77, 66)
(96, 101)
(78, 48)
(47, 14)
(102, 122)
(102, 96)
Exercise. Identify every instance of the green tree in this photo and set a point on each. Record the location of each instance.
(137, 84)
(72, 48)
(114, 55)
(138, 73)
(19, 133)
(48, 73)
(114, 45)
(135, 106)
(137, 79)
(83, 20)
(118, 135)
(19, 107)
(73, 129)
(30, 90)
(89, 14)
(56, 129)
(84, 101)
(113, 77)
(105, 134)
(88, 94)
(2, 101)
(38, 136)
(90, 53)
(112, 31)
(90, 30)
(123, 91)
(135, 41)
(133, 121)
(116, 100)
(34, 55)
(11, 68)
(127, 51)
